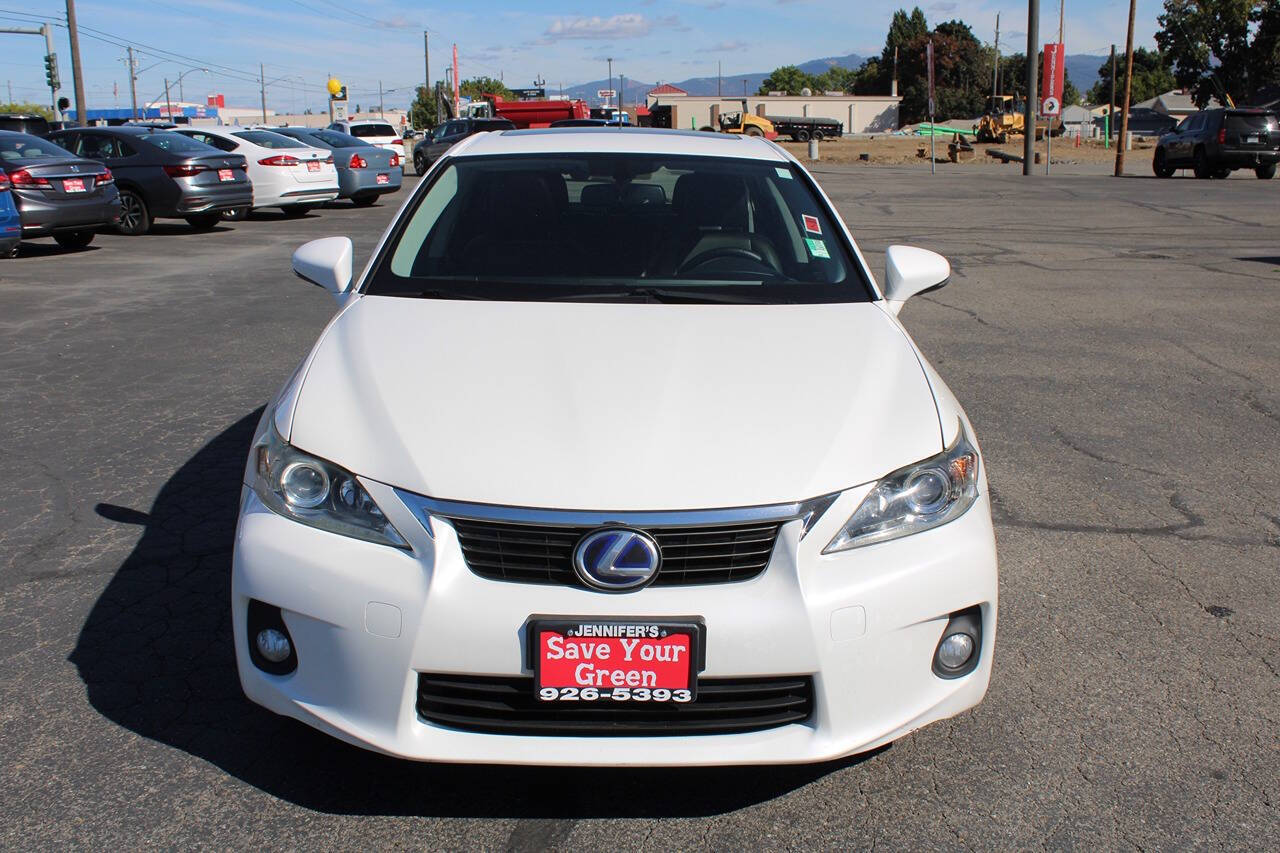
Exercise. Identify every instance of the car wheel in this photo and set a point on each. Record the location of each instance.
(752, 130)
(364, 200)
(803, 135)
(236, 214)
(1160, 164)
(819, 135)
(1200, 165)
(74, 239)
(1266, 172)
(204, 221)
(295, 211)
(420, 164)
(135, 219)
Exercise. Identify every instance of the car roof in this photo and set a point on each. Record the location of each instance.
(365, 121)
(626, 140)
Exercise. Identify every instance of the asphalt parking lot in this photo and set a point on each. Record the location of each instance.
(1116, 347)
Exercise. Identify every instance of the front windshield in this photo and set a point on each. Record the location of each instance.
(606, 227)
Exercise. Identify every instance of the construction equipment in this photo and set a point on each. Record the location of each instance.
(1002, 118)
(744, 122)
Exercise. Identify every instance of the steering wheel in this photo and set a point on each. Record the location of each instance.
(703, 258)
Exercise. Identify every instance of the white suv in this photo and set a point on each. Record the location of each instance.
(375, 132)
(615, 454)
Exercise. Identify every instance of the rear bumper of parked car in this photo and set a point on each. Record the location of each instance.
(43, 216)
(1246, 158)
(365, 181)
(861, 626)
(206, 199)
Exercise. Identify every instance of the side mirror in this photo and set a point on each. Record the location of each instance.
(325, 262)
(909, 271)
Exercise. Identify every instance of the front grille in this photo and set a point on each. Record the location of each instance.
(536, 553)
(507, 705)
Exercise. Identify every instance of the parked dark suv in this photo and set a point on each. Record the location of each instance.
(445, 135)
(1216, 142)
(162, 174)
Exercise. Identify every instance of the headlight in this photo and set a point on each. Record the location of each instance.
(919, 497)
(318, 493)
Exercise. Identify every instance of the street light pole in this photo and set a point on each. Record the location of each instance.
(167, 105)
(262, 88)
(77, 73)
(609, 59)
(1029, 109)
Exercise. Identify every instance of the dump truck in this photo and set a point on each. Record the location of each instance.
(525, 114)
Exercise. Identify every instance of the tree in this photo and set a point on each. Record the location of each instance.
(1013, 78)
(27, 108)
(904, 29)
(788, 79)
(422, 112)
(835, 79)
(474, 87)
(1222, 48)
(961, 77)
(1152, 75)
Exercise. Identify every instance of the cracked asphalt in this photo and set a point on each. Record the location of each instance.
(1114, 341)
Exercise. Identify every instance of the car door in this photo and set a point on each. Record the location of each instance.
(1184, 143)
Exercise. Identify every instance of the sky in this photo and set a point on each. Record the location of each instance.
(299, 43)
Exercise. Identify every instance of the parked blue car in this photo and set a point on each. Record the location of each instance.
(365, 172)
(10, 224)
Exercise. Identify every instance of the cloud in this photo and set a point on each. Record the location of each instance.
(943, 7)
(728, 46)
(630, 25)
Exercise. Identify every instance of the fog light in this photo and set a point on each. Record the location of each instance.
(953, 653)
(273, 645)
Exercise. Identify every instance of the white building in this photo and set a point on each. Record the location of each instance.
(858, 113)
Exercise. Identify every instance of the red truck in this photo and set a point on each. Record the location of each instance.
(525, 114)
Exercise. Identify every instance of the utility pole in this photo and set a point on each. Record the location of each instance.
(1111, 105)
(262, 88)
(380, 112)
(54, 82)
(893, 84)
(77, 73)
(133, 83)
(995, 71)
(426, 72)
(609, 59)
(1029, 108)
(1128, 90)
(719, 80)
(168, 106)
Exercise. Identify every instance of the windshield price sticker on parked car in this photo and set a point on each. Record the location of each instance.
(226, 175)
(619, 662)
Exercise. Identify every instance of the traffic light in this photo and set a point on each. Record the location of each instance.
(51, 70)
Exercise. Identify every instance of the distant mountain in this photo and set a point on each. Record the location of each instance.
(731, 85)
(1082, 69)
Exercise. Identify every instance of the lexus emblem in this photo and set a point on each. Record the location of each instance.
(617, 559)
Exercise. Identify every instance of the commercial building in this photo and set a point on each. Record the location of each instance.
(858, 113)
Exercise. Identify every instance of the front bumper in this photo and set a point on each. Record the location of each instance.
(43, 216)
(366, 619)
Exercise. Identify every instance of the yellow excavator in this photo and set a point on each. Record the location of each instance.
(743, 122)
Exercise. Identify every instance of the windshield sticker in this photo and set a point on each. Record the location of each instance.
(811, 224)
(817, 248)
(783, 173)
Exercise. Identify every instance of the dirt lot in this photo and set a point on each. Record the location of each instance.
(898, 150)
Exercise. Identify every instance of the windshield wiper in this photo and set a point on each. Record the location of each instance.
(669, 295)
(447, 294)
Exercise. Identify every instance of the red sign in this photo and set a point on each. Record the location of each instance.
(1052, 79)
(606, 657)
(73, 185)
(811, 224)
(226, 175)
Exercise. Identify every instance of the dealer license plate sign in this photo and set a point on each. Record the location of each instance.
(226, 175)
(633, 662)
(73, 185)
(313, 165)
(383, 179)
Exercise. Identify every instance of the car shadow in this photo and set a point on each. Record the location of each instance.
(177, 227)
(156, 657)
(50, 250)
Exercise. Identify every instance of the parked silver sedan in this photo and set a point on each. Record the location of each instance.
(365, 172)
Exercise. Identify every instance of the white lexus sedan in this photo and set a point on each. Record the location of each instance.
(615, 453)
(285, 172)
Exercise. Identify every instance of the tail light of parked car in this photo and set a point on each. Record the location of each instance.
(4, 182)
(105, 178)
(23, 178)
(357, 162)
(395, 159)
(186, 170)
(1222, 136)
(279, 160)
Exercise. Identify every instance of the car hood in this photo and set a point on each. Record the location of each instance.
(615, 406)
